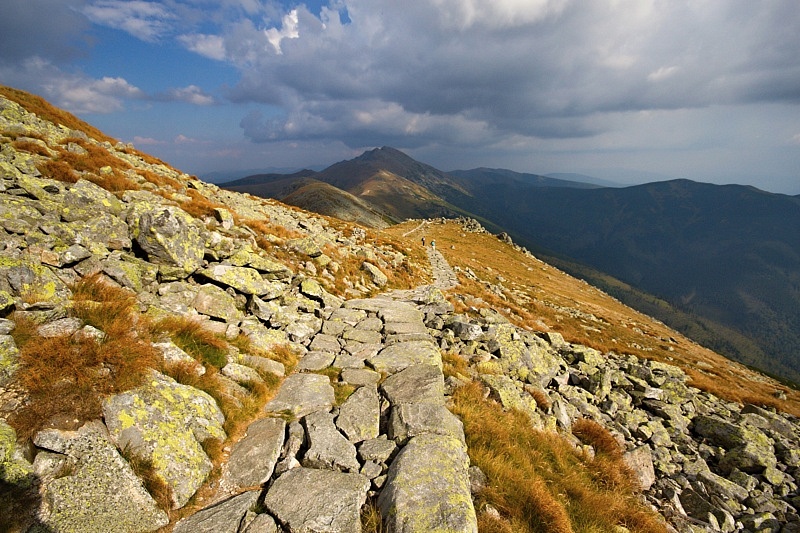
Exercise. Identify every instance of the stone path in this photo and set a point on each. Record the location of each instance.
(392, 440)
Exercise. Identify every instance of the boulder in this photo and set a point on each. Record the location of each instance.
(168, 235)
(101, 493)
(411, 419)
(216, 303)
(244, 279)
(328, 448)
(253, 458)
(398, 356)
(640, 461)
(428, 488)
(301, 394)
(415, 384)
(376, 276)
(166, 422)
(223, 517)
(323, 501)
(359, 415)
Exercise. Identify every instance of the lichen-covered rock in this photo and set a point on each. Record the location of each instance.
(504, 389)
(270, 268)
(244, 279)
(215, 302)
(166, 422)
(415, 384)
(9, 360)
(27, 279)
(168, 235)
(428, 488)
(101, 493)
(306, 500)
(412, 419)
(14, 469)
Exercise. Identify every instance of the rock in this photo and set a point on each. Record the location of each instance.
(30, 280)
(244, 279)
(720, 486)
(101, 493)
(466, 331)
(253, 458)
(222, 517)
(324, 501)
(166, 422)
(263, 338)
(315, 361)
(415, 384)
(404, 354)
(359, 415)
(360, 376)
(428, 489)
(215, 302)
(241, 374)
(379, 449)
(412, 419)
(301, 394)
(376, 276)
(262, 523)
(328, 448)
(640, 461)
(168, 235)
(9, 358)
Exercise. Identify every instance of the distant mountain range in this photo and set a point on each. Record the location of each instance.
(722, 261)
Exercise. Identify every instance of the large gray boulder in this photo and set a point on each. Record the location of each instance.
(428, 488)
(301, 394)
(252, 459)
(166, 422)
(415, 384)
(328, 448)
(168, 235)
(101, 493)
(223, 517)
(359, 415)
(398, 356)
(308, 500)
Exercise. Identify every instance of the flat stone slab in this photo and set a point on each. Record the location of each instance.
(359, 415)
(222, 517)
(394, 328)
(428, 488)
(412, 419)
(404, 354)
(328, 448)
(314, 361)
(360, 376)
(253, 458)
(415, 384)
(311, 500)
(301, 394)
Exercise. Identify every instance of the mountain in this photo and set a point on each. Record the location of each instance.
(175, 356)
(728, 254)
(489, 176)
(722, 260)
(583, 178)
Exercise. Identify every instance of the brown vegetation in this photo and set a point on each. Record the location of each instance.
(539, 482)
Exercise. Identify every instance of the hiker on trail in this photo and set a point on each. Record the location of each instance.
(423, 242)
(433, 244)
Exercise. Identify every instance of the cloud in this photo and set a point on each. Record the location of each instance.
(287, 31)
(191, 94)
(43, 28)
(210, 46)
(148, 21)
(147, 141)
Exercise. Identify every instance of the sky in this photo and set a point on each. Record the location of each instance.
(624, 90)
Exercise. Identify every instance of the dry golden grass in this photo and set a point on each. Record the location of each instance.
(31, 147)
(46, 111)
(199, 206)
(160, 181)
(143, 467)
(540, 297)
(193, 338)
(539, 482)
(371, 518)
(68, 376)
(57, 170)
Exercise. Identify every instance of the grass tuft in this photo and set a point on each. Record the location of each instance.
(144, 469)
(537, 480)
(193, 338)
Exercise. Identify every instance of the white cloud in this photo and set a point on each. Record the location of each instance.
(148, 21)
(210, 46)
(147, 141)
(191, 94)
(289, 30)
(662, 73)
